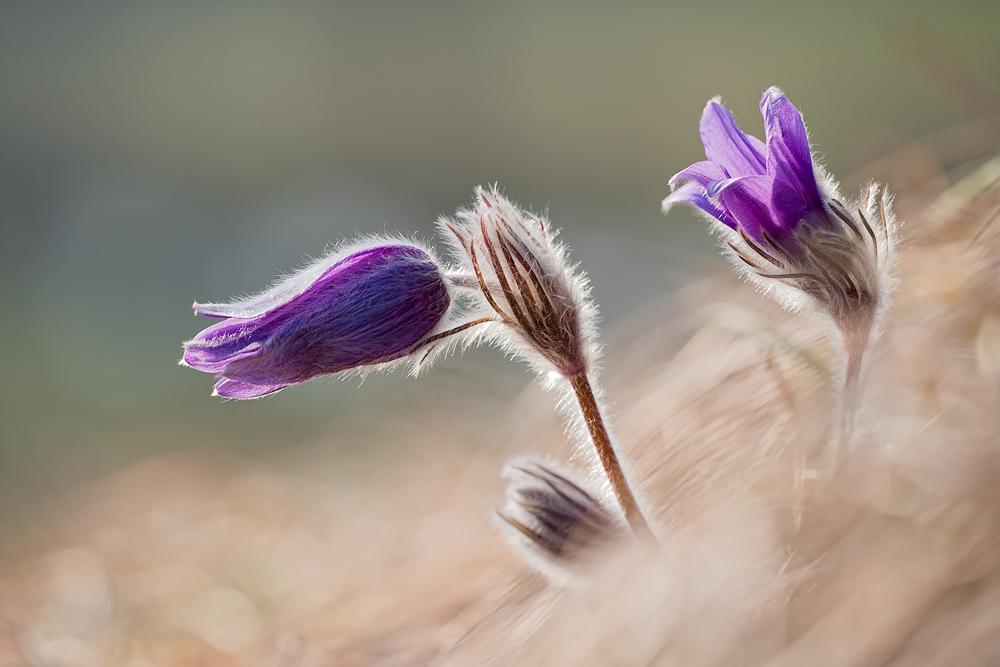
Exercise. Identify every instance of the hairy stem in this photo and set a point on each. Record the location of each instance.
(602, 441)
(855, 339)
(848, 408)
(450, 332)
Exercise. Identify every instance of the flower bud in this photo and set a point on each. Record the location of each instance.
(551, 519)
(354, 309)
(524, 277)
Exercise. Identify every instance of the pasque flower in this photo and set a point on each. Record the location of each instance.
(788, 227)
(786, 220)
(360, 307)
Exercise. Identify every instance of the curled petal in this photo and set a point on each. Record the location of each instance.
(692, 193)
(217, 359)
(235, 389)
(701, 173)
(217, 346)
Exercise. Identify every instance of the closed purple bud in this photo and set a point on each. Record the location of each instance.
(349, 311)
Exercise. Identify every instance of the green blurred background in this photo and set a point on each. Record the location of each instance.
(152, 154)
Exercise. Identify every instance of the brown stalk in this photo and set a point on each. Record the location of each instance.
(450, 332)
(602, 442)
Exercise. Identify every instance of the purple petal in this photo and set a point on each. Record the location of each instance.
(714, 188)
(747, 200)
(738, 153)
(234, 389)
(701, 173)
(218, 345)
(692, 193)
(284, 291)
(788, 156)
(788, 207)
(208, 309)
(209, 360)
(229, 341)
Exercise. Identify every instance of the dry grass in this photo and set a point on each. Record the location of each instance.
(722, 403)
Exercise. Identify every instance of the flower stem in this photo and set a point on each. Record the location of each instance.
(602, 442)
(855, 343)
(450, 332)
(848, 407)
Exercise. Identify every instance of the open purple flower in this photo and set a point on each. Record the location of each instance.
(765, 190)
(790, 230)
(785, 219)
(350, 310)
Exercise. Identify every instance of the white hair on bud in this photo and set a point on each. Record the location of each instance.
(291, 285)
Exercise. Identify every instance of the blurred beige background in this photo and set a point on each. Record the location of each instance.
(156, 153)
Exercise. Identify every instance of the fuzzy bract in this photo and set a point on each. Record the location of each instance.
(353, 310)
(525, 283)
(551, 520)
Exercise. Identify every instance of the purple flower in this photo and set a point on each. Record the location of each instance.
(791, 232)
(765, 189)
(783, 217)
(350, 310)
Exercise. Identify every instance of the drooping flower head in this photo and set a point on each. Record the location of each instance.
(785, 219)
(360, 307)
(551, 520)
(524, 277)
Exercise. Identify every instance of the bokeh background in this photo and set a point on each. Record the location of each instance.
(152, 154)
